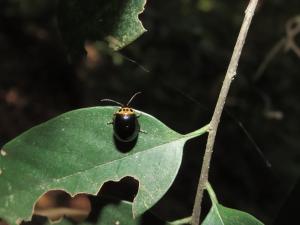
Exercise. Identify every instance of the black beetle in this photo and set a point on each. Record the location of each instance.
(125, 121)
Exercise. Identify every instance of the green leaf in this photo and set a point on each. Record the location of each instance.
(115, 21)
(76, 152)
(120, 212)
(114, 213)
(220, 215)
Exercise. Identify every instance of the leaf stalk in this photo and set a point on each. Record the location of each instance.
(198, 132)
(211, 193)
(186, 220)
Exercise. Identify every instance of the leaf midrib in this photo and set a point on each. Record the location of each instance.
(115, 160)
(218, 213)
(183, 138)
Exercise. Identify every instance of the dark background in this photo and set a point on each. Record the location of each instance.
(179, 65)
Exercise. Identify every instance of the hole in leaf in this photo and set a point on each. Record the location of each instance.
(112, 193)
(125, 189)
(56, 204)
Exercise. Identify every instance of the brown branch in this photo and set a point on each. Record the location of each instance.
(230, 75)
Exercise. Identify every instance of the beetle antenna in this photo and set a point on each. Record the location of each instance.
(133, 97)
(110, 100)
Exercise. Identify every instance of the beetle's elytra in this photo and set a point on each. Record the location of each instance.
(125, 121)
(126, 125)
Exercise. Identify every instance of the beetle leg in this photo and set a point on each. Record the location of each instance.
(111, 122)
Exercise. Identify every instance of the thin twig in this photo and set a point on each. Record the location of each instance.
(277, 48)
(286, 43)
(230, 75)
(60, 212)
